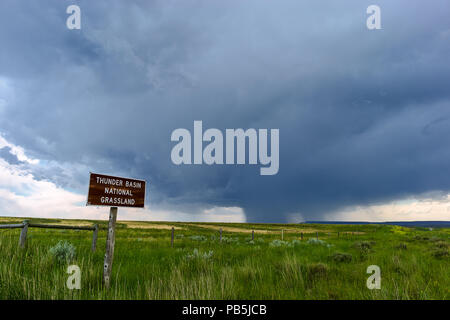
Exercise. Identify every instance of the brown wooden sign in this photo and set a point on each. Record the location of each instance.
(115, 191)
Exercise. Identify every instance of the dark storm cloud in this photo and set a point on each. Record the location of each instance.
(363, 115)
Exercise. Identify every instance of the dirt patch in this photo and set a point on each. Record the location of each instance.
(350, 233)
(8, 219)
(71, 223)
(140, 225)
(260, 231)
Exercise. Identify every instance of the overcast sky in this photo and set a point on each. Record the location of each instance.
(364, 115)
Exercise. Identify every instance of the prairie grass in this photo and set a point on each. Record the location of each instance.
(414, 262)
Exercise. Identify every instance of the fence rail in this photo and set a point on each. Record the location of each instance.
(25, 225)
(52, 226)
(11, 226)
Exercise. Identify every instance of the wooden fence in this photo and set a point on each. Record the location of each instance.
(329, 234)
(25, 225)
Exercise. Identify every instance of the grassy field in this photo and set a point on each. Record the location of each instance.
(414, 262)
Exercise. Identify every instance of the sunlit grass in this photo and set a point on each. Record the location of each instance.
(200, 267)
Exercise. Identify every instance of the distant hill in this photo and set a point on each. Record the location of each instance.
(425, 224)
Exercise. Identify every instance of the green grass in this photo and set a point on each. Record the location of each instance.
(414, 262)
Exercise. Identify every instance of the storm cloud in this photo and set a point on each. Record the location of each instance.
(364, 115)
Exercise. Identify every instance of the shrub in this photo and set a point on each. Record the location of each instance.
(318, 242)
(230, 240)
(317, 269)
(63, 251)
(441, 245)
(198, 238)
(363, 245)
(401, 246)
(277, 243)
(196, 254)
(440, 253)
(281, 243)
(341, 257)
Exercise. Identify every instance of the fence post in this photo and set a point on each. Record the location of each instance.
(23, 234)
(94, 237)
(220, 234)
(301, 235)
(173, 235)
(282, 234)
(253, 235)
(110, 240)
(317, 235)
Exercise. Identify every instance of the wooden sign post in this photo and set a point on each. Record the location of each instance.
(110, 240)
(114, 192)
